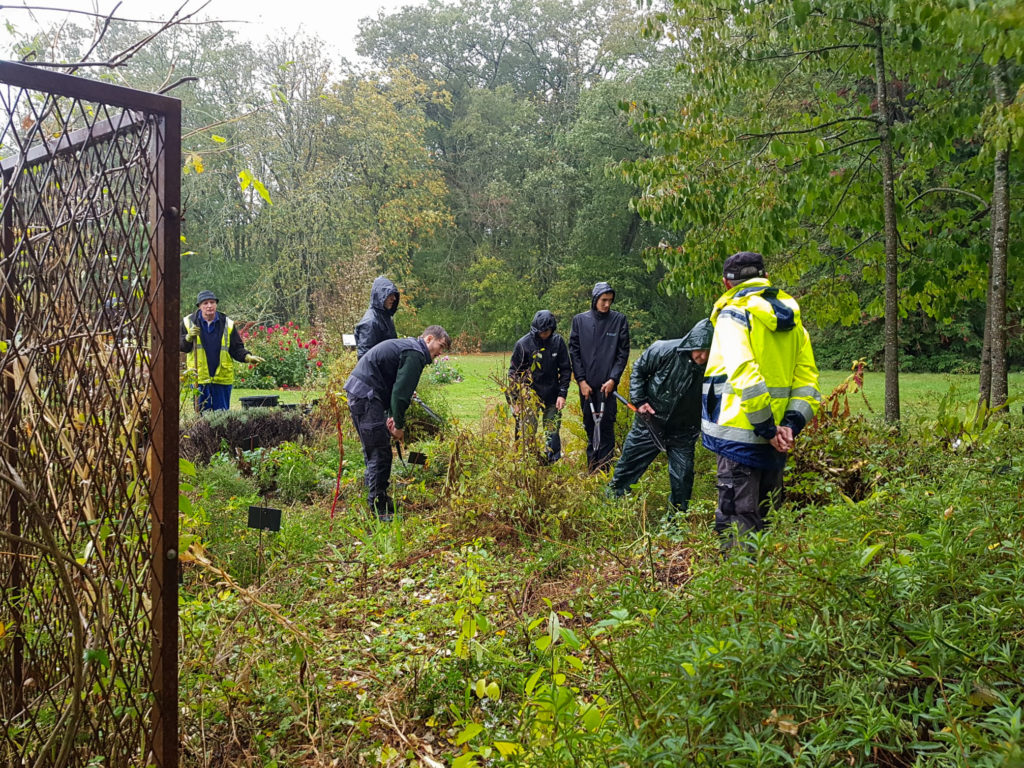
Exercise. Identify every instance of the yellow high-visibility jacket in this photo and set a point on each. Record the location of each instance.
(760, 374)
(196, 359)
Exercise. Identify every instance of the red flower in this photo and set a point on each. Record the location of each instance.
(319, 363)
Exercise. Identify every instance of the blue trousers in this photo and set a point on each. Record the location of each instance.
(369, 419)
(214, 397)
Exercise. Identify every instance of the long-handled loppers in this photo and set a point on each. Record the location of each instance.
(648, 421)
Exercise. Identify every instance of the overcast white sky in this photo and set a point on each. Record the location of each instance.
(336, 21)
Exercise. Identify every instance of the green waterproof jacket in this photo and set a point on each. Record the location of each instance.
(665, 373)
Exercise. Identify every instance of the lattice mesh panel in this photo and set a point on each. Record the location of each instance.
(76, 335)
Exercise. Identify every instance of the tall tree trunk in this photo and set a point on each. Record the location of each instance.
(985, 375)
(1000, 237)
(892, 349)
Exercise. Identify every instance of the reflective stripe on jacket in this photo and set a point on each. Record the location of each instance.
(196, 359)
(760, 373)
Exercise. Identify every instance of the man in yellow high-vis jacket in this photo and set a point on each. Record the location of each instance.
(760, 390)
(210, 341)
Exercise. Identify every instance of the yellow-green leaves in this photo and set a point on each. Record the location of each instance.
(246, 179)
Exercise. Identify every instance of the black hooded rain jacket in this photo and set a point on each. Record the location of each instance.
(666, 378)
(542, 363)
(377, 324)
(599, 343)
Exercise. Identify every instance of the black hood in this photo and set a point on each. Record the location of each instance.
(600, 288)
(382, 288)
(699, 337)
(543, 321)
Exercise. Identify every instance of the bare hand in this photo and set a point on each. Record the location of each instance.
(608, 387)
(585, 390)
(255, 359)
(646, 408)
(559, 403)
(783, 440)
(398, 434)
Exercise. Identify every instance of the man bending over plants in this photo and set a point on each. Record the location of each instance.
(379, 392)
(210, 341)
(665, 388)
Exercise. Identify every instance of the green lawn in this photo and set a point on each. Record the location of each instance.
(469, 399)
(919, 392)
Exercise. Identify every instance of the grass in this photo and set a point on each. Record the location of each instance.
(877, 627)
(472, 397)
(919, 392)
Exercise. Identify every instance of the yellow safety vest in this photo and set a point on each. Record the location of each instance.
(226, 369)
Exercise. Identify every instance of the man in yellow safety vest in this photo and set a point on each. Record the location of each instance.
(211, 341)
(760, 390)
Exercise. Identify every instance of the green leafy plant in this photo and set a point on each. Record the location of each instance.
(289, 356)
(444, 370)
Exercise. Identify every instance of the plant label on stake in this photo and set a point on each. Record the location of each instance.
(264, 519)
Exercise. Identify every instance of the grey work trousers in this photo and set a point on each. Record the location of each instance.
(745, 497)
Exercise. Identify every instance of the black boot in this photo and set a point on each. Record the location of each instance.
(384, 508)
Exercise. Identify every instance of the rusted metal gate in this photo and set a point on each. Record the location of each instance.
(89, 317)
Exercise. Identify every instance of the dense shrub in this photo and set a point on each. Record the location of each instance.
(870, 633)
(290, 357)
(443, 370)
(203, 436)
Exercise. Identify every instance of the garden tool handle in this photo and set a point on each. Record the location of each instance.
(625, 402)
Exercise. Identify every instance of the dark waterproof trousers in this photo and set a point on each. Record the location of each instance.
(370, 419)
(639, 451)
(526, 424)
(745, 497)
(598, 459)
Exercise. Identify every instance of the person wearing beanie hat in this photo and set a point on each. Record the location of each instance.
(760, 390)
(598, 351)
(540, 364)
(211, 342)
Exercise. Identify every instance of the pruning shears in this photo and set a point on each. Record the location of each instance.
(415, 457)
(416, 399)
(596, 414)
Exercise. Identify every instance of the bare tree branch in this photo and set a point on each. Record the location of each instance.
(951, 190)
(813, 129)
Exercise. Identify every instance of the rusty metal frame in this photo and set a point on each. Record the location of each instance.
(162, 298)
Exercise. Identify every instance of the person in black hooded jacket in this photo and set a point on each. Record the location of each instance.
(377, 323)
(598, 351)
(540, 361)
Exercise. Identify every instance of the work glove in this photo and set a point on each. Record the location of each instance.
(192, 333)
(253, 359)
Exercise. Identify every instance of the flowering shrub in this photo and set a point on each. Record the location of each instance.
(444, 371)
(289, 358)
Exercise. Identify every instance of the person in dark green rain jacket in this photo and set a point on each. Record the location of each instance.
(666, 385)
